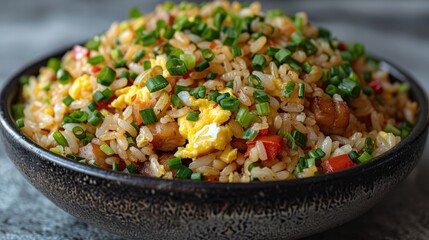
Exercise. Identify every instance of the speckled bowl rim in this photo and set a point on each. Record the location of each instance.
(8, 92)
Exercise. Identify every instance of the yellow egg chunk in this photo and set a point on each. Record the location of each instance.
(229, 154)
(81, 88)
(129, 95)
(206, 134)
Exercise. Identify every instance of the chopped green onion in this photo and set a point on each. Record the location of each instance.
(79, 132)
(116, 53)
(160, 24)
(180, 88)
(274, 13)
(258, 62)
(313, 154)
(212, 75)
(175, 53)
(74, 157)
(271, 51)
(114, 166)
(174, 163)
(96, 60)
(202, 66)
(106, 76)
(331, 89)
(147, 65)
(219, 18)
(367, 91)
(300, 139)
(148, 116)
(92, 106)
(149, 38)
(320, 153)
(309, 48)
(18, 110)
(156, 83)
(252, 78)
(213, 94)
(323, 33)
(297, 38)
(208, 55)
(260, 97)
(192, 116)
(403, 88)
(98, 96)
(299, 23)
(290, 139)
(354, 156)
(294, 64)
(63, 76)
(249, 134)
(251, 166)
(55, 150)
(364, 157)
(236, 51)
(139, 55)
(20, 122)
(197, 176)
(60, 139)
(94, 43)
(107, 93)
(198, 92)
(169, 33)
(54, 64)
(120, 63)
(263, 108)
(176, 67)
(350, 88)
(47, 87)
(67, 100)
(230, 85)
(132, 169)
(369, 145)
(183, 172)
(79, 116)
(130, 141)
(88, 138)
(311, 162)
(290, 86)
(391, 129)
(301, 90)
(24, 80)
(359, 49)
(134, 75)
(210, 34)
(230, 103)
(367, 76)
(199, 28)
(107, 149)
(282, 55)
(307, 67)
(134, 13)
(189, 60)
(245, 118)
(176, 101)
(95, 118)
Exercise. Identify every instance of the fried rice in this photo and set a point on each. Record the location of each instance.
(216, 92)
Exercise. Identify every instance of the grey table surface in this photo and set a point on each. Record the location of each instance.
(396, 30)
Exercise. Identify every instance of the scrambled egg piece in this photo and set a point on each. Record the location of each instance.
(229, 154)
(206, 134)
(130, 95)
(81, 88)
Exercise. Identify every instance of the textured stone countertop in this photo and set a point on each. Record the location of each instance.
(397, 30)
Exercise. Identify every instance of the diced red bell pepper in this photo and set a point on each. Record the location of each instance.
(105, 104)
(376, 86)
(79, 52)
(263, 132)
(272, 143)
(339, 163)
(212, 45)
(95, 69)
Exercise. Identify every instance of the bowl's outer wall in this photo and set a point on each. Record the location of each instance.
(135, 206)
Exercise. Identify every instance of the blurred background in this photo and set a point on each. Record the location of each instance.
(396, 30)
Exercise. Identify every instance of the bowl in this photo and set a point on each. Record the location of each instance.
(141, 207)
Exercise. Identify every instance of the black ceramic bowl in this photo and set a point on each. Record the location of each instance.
(142, 207)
